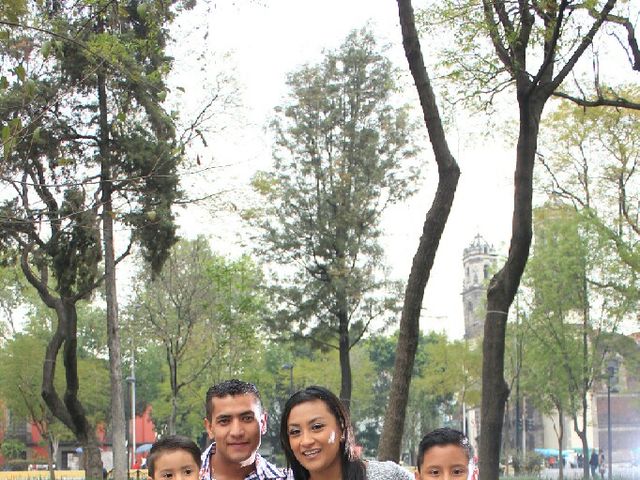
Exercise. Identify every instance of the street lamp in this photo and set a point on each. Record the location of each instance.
(289, 366)
(612, 369)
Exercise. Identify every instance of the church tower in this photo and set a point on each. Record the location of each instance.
(479, 261)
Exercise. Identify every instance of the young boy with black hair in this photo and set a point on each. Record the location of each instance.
(445, 454)
(174, 457)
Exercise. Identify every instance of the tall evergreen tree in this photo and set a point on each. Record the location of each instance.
(343, 154)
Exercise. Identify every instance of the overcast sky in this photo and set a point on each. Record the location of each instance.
(258, 45)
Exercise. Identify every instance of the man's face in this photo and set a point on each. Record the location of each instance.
(236, 425)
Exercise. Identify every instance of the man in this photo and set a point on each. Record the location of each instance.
(235, 422)
(593, 463)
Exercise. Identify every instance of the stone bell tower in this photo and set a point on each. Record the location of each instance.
(479, 260)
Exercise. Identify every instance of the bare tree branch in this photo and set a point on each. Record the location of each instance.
(601, 101)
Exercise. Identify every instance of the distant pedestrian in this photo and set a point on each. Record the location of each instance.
(593, 463)
(602, 460)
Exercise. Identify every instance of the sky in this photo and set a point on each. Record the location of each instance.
(256, 46)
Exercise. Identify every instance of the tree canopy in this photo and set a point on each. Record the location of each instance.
(343, 153)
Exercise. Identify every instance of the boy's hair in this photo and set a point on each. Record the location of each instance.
(442, 437)
(231, 387)
(171, 443)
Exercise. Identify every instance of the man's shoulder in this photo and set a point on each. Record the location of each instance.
(205, 471)
(267, 470)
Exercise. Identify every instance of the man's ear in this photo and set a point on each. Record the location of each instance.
(263, 423)
(209, 429)
(416, 473)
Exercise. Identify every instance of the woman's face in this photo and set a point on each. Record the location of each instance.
(315, 436)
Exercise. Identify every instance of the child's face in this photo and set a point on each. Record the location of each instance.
(175, 465)
(444, 462)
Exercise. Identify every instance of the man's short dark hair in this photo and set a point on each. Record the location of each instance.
(171, 443)
(442, 437)
(231, 387)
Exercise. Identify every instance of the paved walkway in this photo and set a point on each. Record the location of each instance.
(618, 471)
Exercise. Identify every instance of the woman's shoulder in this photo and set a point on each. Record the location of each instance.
(386, 471)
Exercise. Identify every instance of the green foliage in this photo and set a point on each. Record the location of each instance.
(559, 242)
(21, 382)
(13, 10)
(12, 295)
(564, 339)
(446, 375)
(84, 130)
(482, 52)
(12, 449)
(201, 311)
(64, 145)
(557, 275)
(532, 464)
(342, 154)
(591, 164)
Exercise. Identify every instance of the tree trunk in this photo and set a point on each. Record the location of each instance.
(436, 219)
(581, 429)
(173, 416)
(345, 361)
(504, 286)
(91, 458)
(118, 421)
(70, 411)
(51, 457)
(585, 449)
(560, 439)
(173, 381)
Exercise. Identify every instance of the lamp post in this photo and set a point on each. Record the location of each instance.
(612, 368)
(289, 366)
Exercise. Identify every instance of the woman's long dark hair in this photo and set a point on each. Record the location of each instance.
(352, 467)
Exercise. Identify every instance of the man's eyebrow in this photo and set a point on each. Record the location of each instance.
(224, 416)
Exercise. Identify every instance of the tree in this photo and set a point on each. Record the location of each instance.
(21, 378)
(590, 167)
(82, 125)
(590, 163)
(20, 385)
(201, 309)
(12, 289)
(13, 449)
(531, 49)
(569, 317)
(436, 219)
(445, 376)
(342, 155)
(553, 357)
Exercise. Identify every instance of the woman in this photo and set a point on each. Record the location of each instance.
(318, 441)
(602, 460)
